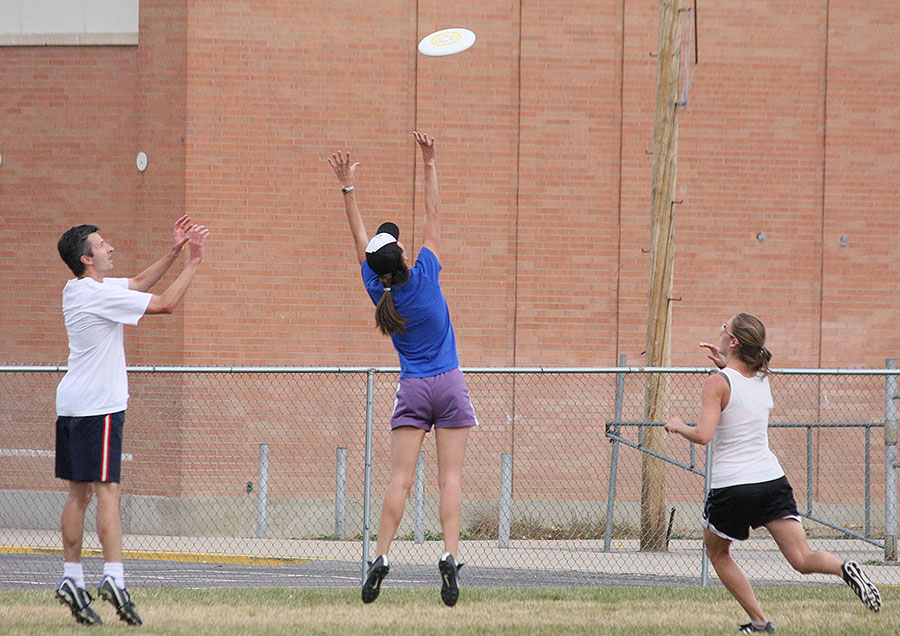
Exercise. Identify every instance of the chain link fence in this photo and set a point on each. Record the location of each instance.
(267, 466)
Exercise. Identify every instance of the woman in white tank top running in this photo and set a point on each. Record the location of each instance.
(749, 488)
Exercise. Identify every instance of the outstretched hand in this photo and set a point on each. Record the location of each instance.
(180, 232)
(426, 143)
(343, 168)
(717, 358)
(196, 237)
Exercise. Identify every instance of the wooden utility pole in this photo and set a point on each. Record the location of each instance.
(662, 249)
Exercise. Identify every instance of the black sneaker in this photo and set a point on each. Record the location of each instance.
(860, 583)
(78, 600)
(120, 599)
(449, 568)
(750, 628)
(378, 569)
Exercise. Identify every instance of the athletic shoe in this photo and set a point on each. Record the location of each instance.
(860, 583)
(449, 568)
(78, 600)
(120, 599)
(750, 628)
(378, 569)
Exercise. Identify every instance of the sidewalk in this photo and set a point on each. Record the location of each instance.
(554, 562)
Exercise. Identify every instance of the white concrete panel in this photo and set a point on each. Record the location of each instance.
(10, 16)
(53, 16)
(112, 16)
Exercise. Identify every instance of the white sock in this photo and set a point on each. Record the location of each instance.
(116, 571)
(74, 571)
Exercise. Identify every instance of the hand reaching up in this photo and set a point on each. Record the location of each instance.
(343, 168)
(426, 143)
(180, 232)
(196, 237)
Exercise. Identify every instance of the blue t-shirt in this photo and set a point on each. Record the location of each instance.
(429, 346)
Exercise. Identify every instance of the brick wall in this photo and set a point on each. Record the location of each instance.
(543, 129)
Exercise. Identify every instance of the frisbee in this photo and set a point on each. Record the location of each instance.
(446, 42)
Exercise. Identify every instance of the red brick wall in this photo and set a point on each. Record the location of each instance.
(862, 184)
(67, 131)
(543, 129)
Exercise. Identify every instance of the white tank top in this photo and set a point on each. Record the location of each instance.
(741, 452)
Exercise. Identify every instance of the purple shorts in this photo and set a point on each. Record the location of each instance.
(441, 401)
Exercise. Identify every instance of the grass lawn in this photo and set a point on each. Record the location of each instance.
(626, 611)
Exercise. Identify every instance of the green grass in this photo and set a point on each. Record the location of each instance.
(625, 611)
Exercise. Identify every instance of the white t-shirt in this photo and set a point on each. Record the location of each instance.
(741, 452)
(96, 382)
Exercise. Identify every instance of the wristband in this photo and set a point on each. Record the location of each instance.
(347, 189)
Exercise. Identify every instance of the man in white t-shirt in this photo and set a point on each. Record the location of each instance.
(92, 397)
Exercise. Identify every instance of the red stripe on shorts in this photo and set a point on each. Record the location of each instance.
(104, 468)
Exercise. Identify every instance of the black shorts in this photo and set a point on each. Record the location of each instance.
(90, 448)
(730, 512)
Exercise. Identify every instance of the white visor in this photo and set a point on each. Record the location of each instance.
(378, 241)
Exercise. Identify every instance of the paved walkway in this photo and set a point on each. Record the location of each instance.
(33, 559)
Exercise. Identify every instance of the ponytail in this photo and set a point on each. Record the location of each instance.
(756, 357)
(751, 335)
(388, 320)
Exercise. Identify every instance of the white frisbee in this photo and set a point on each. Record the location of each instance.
(446, 42)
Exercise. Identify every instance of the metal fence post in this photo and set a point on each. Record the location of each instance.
(367, 480)
(704, 560)
(262, 493)
(809, 471)
(420, 498)
(614, 459)
(868, 478)
(340, 495)
(890, 463)
(505, 511)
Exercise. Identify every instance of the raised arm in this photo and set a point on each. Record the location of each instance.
(717, 358)
(432, 236)
(150, 276)
(344, 171)
(166, 302)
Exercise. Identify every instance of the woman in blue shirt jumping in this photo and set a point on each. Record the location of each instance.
(432, 392)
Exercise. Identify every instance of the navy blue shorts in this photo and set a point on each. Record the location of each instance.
(90, 448)
(730, 512)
